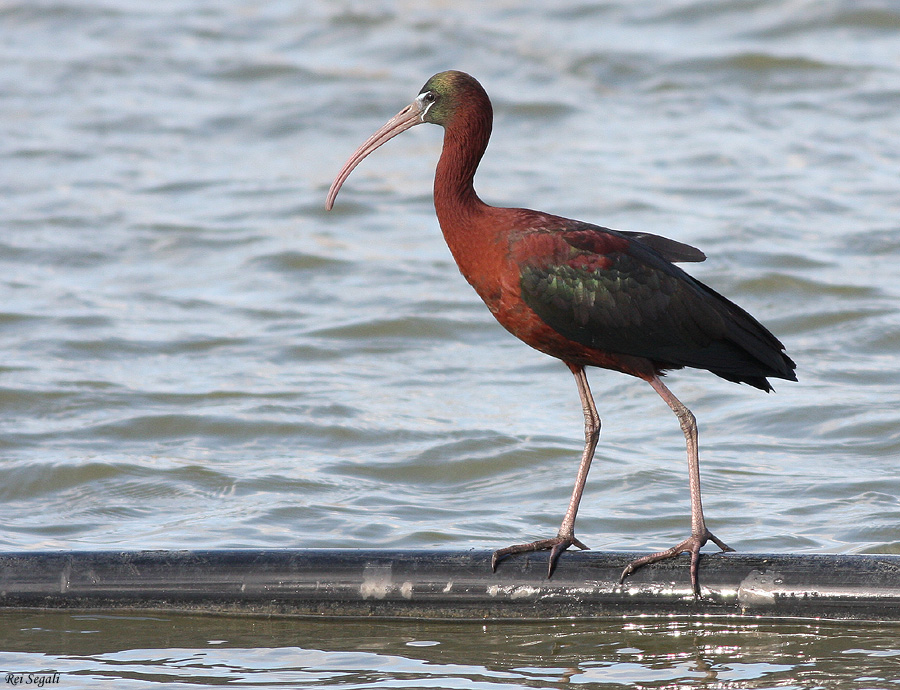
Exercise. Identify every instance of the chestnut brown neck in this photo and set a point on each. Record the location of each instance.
(466, 136)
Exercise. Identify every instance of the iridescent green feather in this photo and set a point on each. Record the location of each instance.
(635, 302)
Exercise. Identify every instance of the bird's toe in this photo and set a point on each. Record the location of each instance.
(556, 546)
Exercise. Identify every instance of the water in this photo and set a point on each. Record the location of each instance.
(195, 354)
(278, 653)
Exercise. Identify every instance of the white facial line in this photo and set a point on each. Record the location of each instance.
(423, 110)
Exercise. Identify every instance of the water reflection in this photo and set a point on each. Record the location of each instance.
(649, 652)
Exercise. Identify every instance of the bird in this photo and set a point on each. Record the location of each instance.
(587, 295)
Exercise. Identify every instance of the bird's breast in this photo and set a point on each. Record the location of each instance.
(490, 262)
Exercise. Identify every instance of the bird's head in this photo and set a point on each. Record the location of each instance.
(443, 94)
(443, 97)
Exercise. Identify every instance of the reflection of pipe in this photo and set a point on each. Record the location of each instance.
(450, 584)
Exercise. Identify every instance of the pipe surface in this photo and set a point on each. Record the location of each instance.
(431, 584)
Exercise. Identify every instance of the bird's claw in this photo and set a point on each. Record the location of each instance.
(556, 545)
(691, 545)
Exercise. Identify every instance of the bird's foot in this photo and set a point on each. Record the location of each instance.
(691, 545)
(556, 546)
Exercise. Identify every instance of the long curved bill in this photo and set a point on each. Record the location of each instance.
(410, 116)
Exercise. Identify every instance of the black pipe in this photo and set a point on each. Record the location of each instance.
(450, 584)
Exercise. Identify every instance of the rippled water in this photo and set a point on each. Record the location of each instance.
(196, 355)
(639, 653)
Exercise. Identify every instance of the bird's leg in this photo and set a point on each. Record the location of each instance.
(699, 533)
(566, 535)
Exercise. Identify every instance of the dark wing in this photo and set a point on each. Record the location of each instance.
(670, 250)
(612, 292)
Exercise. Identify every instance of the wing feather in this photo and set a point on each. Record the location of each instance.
(613, 292)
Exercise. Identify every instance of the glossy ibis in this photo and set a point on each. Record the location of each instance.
(582, 293)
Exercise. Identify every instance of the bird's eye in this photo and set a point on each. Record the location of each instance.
(429, 97)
